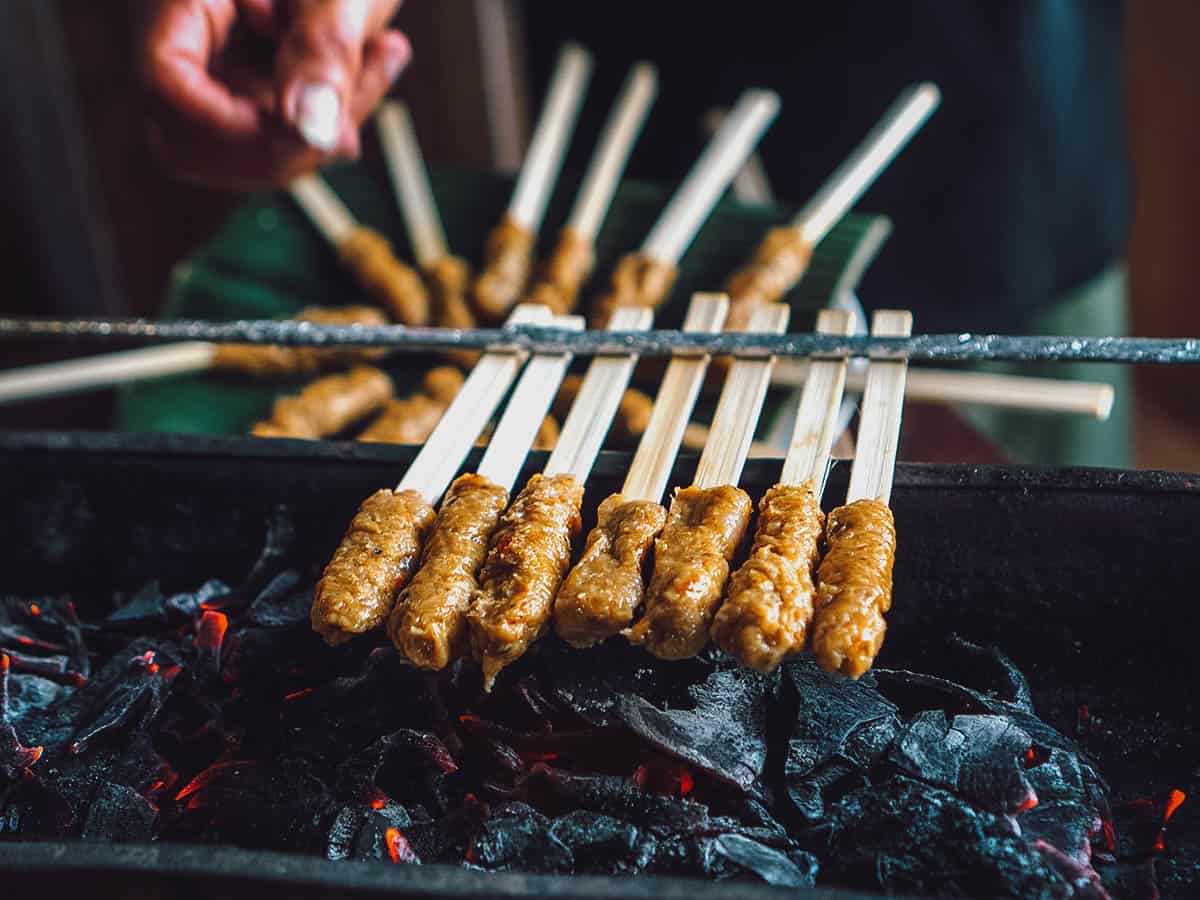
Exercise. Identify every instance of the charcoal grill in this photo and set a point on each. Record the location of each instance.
(1085, 578)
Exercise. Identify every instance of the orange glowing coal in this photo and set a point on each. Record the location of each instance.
(210, 633)
(398, 847)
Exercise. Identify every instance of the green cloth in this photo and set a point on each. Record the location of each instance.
(267, 261)
(1099, 308)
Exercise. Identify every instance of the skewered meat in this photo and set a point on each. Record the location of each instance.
(371, 565)
(854, 587)
(633, 415)
(691, 565)
(564, 273)
(396, 287)
(526, 561)
(508, 260)
(412, 419)
(328, 405)
(776, 266)
(601, 594)
(769, 606)
(637, 281)
(429, 622)
(272, 360)
(449, 278)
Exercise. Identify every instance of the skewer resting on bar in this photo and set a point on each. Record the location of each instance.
(376, 556)
(571, 262)
(854, 580)
(707, 521)
(365, 252)
(508, 255)
(602, 592)
(428, 624)
(769, 607)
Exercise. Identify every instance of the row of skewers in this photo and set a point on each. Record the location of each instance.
(441, 291)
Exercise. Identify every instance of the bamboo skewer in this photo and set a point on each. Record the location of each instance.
(514, 435)
(510, 245)
(402, 154)
(448, 445)
(573, 258)
(879, 417)
(650, 468)
(751, 184)
(365, 252)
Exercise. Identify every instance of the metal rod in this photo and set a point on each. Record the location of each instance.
(540, 339)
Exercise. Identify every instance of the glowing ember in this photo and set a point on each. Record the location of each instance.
(211, 631)
(1028, 803)
(296, 695)
(34, 609)
(205, 777)
(1174, 801)
(398, 847)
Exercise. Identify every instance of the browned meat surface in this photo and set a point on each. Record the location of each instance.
(633, 415)
(775, 268)
(370, 566)
(449, 281)
(769, 605)
(429, 622)
(274, 361)
(508, 259)
(564, 273)
(526, 561)
(691, 565)
(603, 592)
(407, 421)
(328, 405)
(443, 383)
(390, 283)
(636, 281)
(854, 587)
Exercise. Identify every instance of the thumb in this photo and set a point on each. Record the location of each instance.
(318, 66)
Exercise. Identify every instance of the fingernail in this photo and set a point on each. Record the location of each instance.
(396, 64)
(319, 116)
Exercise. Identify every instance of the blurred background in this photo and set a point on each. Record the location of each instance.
(1092, 105)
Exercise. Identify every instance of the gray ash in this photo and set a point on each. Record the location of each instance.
(216, 716)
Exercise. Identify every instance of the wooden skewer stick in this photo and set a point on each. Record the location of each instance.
(547, 148)
(842, 189)
(531, 400)
(710, 176)
(651, 466)
(402, 153)
(751, 184)
(616, 144)
(600, 394)
(882, 407)
(951, 387)
(324, 208)
(468, 414)
(736, 418)
(808, 454)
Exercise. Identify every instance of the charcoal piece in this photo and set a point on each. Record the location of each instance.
(1065, 825)
(976, 756)
(12, 636)
(994, 673)
(722, 733)
(371, 843)
(284, 602)
(281, 534)
(145, 610)
(29, 696)
(1059, 777)
(812, 793)
(445, 840)
(1084, 882)
(516, 836)
(118, 814)
(339, 842)
(394, 762)
(14, 756)
(903, 836)
(30, 809)
(131, 702)
(767, 864)
(604, 845)
(556, 791)
(187, 605)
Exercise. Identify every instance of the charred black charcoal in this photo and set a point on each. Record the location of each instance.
(29, 697)
(377, 837)
(516, 836)
(795, 869)
(120, 815)
(284, 602)
(281, 533)
(902, 836)
(1065, 825)
(188, 605)
(446, 840)
(405, 763)
(32, 810)
(147, 609)
(604, 845)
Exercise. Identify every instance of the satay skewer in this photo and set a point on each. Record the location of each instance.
(768, 610)
(644, 277)
(379, 551)
(508, 256)
(571, 262)
(428, 623)
(365, 252)
(602, 592)
(707, 521)
(854, 580)
(783, 256)
(448, 275)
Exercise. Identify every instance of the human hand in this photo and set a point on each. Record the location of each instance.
(252, 93)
